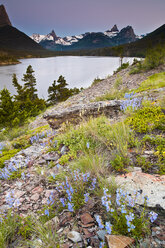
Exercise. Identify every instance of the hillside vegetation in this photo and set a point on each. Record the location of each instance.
(56, 184)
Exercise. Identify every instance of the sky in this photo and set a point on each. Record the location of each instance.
(73, 17)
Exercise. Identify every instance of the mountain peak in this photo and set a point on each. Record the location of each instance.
(53, 34)
(4, 19)
(114, 29)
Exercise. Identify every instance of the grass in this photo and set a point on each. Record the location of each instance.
(96, 136)
(153, 82)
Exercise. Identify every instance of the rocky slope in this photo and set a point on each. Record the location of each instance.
(39, 164)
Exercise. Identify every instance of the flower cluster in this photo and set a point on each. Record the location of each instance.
(14, 166)
(131, 102)
(36, 138)
(50, 203)
(153, 216)
(77, 187)
(124, 209)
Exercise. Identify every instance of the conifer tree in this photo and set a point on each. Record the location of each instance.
(21, 92)
(63, 91)
(30, 83)
(6, 108)
(52, 94)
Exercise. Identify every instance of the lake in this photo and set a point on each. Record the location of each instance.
(78, 71)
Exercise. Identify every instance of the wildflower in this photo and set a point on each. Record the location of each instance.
(88, 145)
(153, 216)
(70, 207)
(86, 197)
(108, 227)
(98, 219)
(101, 244)
(62, 201)
(47, 212)
(23, 176)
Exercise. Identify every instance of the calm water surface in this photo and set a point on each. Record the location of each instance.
(78, 71)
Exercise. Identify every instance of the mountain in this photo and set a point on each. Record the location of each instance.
(133, 49)
(90, 40)
(15, 42)
(4, 19)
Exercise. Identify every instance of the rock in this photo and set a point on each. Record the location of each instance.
(63, 150)
(65, 218)
(94, 242)
(101, 234)
(53, 223)
(86, 219)
(149, 152)
(87, 233)
(37, 190)
(35, 197)
(76, 113)
(152, 186)
(132, 169)
(118, 241)
(51, 156)
(74, 236)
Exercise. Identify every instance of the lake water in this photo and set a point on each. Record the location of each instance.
(78, 71)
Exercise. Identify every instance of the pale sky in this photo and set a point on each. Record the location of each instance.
(71, 17)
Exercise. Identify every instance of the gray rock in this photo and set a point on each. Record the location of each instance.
(76, 113)
(74, 236)
(101, 234)
(63, 150)
(152, 186)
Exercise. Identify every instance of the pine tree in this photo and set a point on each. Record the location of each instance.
(21, 92)
(63, 91)
(30, 83)
(6, 108)
(52, 94)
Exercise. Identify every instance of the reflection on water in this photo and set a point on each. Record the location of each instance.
(78, 71)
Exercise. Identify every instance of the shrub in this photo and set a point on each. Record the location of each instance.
(123, 66)
(147, 119)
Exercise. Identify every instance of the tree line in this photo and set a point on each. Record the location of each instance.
(15, 110)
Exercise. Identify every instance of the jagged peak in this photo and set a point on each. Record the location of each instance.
(114, 29)
(4, 18)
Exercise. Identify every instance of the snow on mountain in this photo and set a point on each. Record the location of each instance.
(69, 40)
(37, 37)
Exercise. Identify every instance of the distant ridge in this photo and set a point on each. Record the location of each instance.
(4, 19)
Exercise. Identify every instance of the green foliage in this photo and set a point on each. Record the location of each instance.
(154, 58)
(114, 94)
(8, 229)
(158, 144)
(59, 92)
(6, 155)
(30, 83)
(123, 207)
(93, 163)
(153, 82)
(122, 67)
(119, 163)
(99, 135)
(6, 108)
(96, 81)
(143, 163)
(147, 119)
(25, 104)
(137, 68)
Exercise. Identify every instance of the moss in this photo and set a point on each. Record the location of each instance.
(6, 155)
